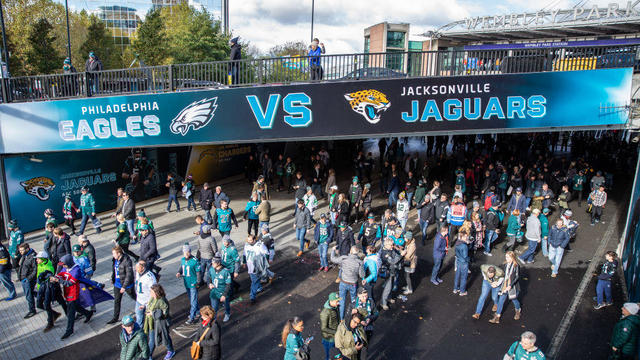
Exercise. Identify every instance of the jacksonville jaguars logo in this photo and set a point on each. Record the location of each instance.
(39, 187)
(371, 104)
(197, 115)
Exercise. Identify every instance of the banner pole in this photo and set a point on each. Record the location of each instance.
(4, 199)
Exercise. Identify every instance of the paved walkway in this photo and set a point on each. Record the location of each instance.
(24, 339)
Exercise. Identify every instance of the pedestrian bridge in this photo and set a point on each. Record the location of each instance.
(359, 95)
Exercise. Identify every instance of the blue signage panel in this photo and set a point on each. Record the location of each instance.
(324, 110)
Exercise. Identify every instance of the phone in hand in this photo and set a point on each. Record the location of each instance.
(309, 339)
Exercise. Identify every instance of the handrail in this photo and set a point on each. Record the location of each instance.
(304, 68)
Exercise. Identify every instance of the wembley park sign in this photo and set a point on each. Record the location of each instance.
(614, 12)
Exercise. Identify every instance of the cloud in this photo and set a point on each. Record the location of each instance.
(339, 24)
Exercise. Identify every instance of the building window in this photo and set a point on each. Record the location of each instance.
(395, 60)
(395, 39)
(367, 44)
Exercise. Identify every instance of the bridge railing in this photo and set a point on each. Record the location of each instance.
(305, 69)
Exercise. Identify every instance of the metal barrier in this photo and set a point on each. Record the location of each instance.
(299, 69)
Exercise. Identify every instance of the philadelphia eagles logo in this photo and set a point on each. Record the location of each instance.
(39, 187)
(368, 103)
(197, 115)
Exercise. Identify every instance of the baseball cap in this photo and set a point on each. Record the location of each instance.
(13, 224)
(323, 216)
(141, 213)
(334, 187)
(186, 248)
(127, 320)
(42, 255)
(362, 290)
(144, 227)
(518, 189)
(568, 213)
(631, 307)
(217, 259)
(355, 178)
(76, 247)
(334, 296)
(545, 210)
(371, 216)
(343, 224)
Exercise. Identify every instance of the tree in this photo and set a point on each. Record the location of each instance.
(101, 43)
(290, 48)
(150, 42)
(193, 35)
(42, 57)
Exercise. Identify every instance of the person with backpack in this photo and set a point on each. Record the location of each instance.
(187, 192)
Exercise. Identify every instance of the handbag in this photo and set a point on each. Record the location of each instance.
(96, 223)
(196, 349)
(304, 353)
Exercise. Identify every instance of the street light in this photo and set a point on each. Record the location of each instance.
(312, 9)
(66, 6)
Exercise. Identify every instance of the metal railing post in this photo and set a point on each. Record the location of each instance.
(171, 86)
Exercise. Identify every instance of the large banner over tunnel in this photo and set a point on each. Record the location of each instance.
(321, 110)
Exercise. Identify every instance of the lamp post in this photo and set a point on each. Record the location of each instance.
(4, 39)
(312, 9)
(66, 6)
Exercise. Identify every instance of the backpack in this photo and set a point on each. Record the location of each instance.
(487, 201)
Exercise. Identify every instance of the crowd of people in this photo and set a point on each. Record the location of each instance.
(500, 194)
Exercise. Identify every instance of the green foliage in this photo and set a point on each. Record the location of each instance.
(193, 35)
(99, 41)
(290, 48)
(150, 42)
(41, 56)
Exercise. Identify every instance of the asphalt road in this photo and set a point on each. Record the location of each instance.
(432, 324)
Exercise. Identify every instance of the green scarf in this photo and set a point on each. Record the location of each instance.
(154, 304)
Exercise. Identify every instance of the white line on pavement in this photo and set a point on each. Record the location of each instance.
(569, 315)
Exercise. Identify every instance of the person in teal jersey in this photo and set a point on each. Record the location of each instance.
(503, 183)
(49, 218)
(292, 339)
(323, 235)
(189, 268)
(578, 186)
(15, 238)
(223, 217)
(88, 209)
(220, 287)
(142, 220)
(525, 349)
(231, 261)
(250, 213)
(544, 231)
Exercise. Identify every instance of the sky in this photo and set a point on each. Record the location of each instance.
(340, 24)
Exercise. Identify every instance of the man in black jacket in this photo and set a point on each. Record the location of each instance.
(492, 224)
(5, 273)
(442, 208)
(123, 280)
(427, 216)
(235, 56)
(92, 65)
(60, 246)
(206, 200)
(128, 210)
(344, 238)
(149, 249)
(220, 196)
(27, 271)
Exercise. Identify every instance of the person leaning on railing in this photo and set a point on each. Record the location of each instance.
(70, 86)
(92, 65)
(315, 50)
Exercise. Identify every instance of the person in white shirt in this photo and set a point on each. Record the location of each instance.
(310, 202)
(144, 280)
(402, 210)
(255, 261)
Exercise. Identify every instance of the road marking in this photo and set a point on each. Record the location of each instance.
(569, 315)
(189, 329)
